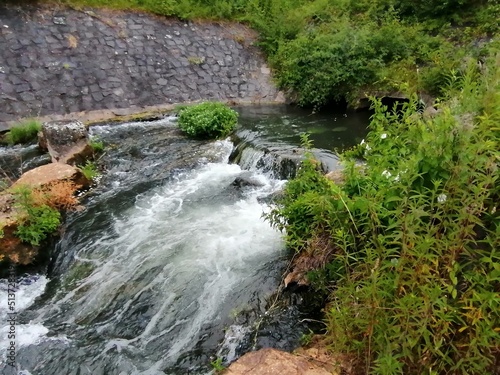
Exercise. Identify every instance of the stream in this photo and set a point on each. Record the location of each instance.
(170, 265)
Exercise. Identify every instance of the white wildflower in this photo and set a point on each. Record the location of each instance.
(386, 174)
(362, 142)
(383, 136)
(368, 148)
(396, 178)
(441, 198)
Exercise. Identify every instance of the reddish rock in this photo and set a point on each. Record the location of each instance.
(42, 180)
(274, 362)
(51, 173)
(13, 249)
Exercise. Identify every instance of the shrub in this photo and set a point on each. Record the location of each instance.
(42, 221)
(25, 132)
(415, 232)
(207, 120)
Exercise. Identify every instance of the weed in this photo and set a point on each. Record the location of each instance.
(218, 365)
(89, 170)
(97, 145)
(58, 195)
(306, 338)
(24, 132)
(36, 221)
(196, 60)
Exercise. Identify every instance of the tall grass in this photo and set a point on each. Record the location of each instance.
(24, 132)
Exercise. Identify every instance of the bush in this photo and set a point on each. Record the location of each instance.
(208, 120)
(415, 231)
(25, 132)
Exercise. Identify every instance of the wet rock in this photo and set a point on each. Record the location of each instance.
(66, 141)
(272, 362)
(245, 180)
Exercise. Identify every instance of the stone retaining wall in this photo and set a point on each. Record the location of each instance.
(59, 61)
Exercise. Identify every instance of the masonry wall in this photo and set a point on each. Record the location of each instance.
(57, 61)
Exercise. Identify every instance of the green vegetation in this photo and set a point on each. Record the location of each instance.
(89, 170)
(24, 132)
(326, 50)
(412, 235)
(97, 145)
(207, 120)
(196, 60)
(217, 365)
(38, 221)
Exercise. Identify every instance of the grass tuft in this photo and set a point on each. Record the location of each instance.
(24, 132)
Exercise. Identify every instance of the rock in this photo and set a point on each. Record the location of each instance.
(13, 249)
(246, 180)
(430, 112)
(67, 141)
(42, 179)
(50, 173)
(335, 176)
(273, 362)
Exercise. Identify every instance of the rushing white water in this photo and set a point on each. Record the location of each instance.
(157, 279)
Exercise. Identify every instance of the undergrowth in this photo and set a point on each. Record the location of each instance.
(415, 273)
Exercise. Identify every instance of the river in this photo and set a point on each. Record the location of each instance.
(170, 264)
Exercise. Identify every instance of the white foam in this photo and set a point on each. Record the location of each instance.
(233, 337)
(27, 290)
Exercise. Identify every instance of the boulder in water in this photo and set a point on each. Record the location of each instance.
(247, 179)
(51, 173)
(66, 141)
